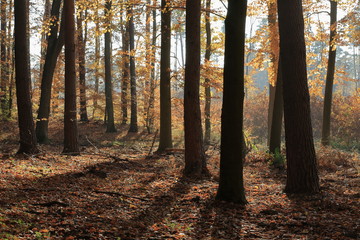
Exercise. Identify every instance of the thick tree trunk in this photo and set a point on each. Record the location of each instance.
(325, 137)
(82, 70)
(195, 162)
(55, 43)
(133, 116)
(207, 80)
(165, 85)
(22, 51)
(110, 123)
(231, 186)
(302, 174)
(71, 142)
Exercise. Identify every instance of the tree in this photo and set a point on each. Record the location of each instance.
(207, 80)
(133, 107)
(165, 85)
(302, 174)
(125, 70)
(23, 79)
(110, 123)
(231, 187)
(55, 42)
(81, 62)
(3, 58)
(325, 137)
(195, 162)
(71, 142)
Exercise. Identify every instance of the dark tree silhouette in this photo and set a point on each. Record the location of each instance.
(165, 89)
(302, 174)
(22, 65)
(195, 162)
(208, 51)
(231, 187)
(71, 142)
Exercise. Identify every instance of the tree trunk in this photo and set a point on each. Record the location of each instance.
(55, 43)
(71, 142)
(125, 72)
(110, 124)
(302, 174)
(133, 117)
(165, 83)
(276, 99)
(43, 42)
(207, 80)
(231, 186)
(325, 136)
(22, 51)
(3, 68)
(82, 70)
(97, 65)
(195, 162)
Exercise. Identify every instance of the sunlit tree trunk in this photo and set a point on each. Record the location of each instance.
(165, 83)
(97, 65)
(133, 116)
(195, 162)
(325, 137)
(125, 71)
(55, 43)
(71, 141)
(22, 51)
(110, 122)
(82, 69)
(231, 186)
(207, 80)
(302, 173)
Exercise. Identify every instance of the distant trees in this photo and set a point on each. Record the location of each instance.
(231, 184)
(23, 80)
(302, 174)
(71, 142)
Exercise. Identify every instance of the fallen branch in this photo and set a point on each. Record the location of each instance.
(121, 194)
(153, 142)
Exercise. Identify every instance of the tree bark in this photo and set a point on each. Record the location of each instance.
(71, 142)
(133, 116)
(302, 173)
(207, 80)
(82, 69)
(55, 43)
(231, 186)
(165, 79)
(110, 123)
(23, 78)
(125, 72)
(97, 65)
(195, 162)
(325, 136)
(4, 72)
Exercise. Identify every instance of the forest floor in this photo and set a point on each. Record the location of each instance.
(114, 190)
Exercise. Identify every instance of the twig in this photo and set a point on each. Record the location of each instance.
(121, 194)
(153, 142)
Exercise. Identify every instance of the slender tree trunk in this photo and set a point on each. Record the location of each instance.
(151, 112)
(47, 14)
(22, 51)
(55, 43)
(97, 65)
(71, 142)
(3, 68)
(125, 72)
(207, 80)
(82, 70)
(276, 99)
(325, 137)
(110, 124)
(10, 62)
(277, 114)
(195, 162)
(231, 186)
(133, 117)
(165, 83)
(302, 174)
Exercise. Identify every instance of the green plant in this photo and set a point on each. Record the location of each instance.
(278, 159)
